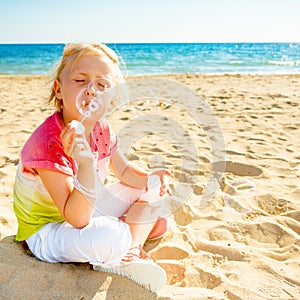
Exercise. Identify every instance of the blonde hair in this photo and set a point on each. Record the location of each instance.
(72, 53)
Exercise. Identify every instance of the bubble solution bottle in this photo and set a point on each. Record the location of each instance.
(152, 196)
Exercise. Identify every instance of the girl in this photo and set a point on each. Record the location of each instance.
(64, 213)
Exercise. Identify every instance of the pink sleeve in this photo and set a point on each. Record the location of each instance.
(44, 150)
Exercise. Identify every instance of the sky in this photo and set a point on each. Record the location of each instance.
(140, 21)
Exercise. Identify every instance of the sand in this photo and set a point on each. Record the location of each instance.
(244, 244)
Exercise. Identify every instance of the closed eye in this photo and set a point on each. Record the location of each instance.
(102, 85)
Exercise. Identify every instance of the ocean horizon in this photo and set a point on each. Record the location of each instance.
(166, 58)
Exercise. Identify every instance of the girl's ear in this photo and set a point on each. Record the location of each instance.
(56, 87)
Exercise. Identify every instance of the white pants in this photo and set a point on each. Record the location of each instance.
(104, 240)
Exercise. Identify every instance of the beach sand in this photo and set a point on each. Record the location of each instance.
(244, 244)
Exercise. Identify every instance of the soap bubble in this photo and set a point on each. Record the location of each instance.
(86, 104)
(239, 195)
(96, 96)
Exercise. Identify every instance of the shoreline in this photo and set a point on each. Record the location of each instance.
(172, 74)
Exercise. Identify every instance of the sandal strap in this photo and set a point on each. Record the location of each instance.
(142, 255)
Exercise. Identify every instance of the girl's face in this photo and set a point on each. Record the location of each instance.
(76, 77)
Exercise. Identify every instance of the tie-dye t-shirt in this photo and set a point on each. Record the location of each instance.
(32, 203)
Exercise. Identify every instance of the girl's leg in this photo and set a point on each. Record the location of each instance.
(118, 199)
(141, 219)
(103, 240)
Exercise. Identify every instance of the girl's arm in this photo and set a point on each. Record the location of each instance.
(72, 205)
(128, 174)
(134, 176)
(75, 207)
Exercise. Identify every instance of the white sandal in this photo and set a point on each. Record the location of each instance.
(142, 271)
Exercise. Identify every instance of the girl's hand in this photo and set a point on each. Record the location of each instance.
(164, 179)
(81, 150)
(76, 145)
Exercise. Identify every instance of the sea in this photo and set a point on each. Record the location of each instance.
(166, 58)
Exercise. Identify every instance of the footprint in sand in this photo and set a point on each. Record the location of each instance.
(175, 271)
(183, 216)
(272, 205)
(208, 280)
(169, 259)
(236, 168)
(170, 252)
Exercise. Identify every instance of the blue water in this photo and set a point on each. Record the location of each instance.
(145, 59)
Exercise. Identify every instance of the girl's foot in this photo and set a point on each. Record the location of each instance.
(138, 266)
(137, 253)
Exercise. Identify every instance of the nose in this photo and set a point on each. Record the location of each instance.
(90, 90)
